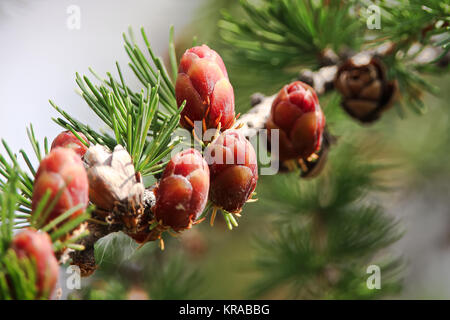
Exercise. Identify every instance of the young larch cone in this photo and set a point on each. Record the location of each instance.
(182, 192)
(67, 139)
(38, 247)
(203, 82)
(297, 114)
(234, 170)
(366, 92)
(61, 171)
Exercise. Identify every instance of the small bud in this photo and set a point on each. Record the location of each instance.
(297, 114)
(203, 82)
(234, 170)
(38, 247)
(183, 190)
(61, 171)
(67, 139)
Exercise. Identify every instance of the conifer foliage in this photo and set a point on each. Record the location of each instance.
(94, 198)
